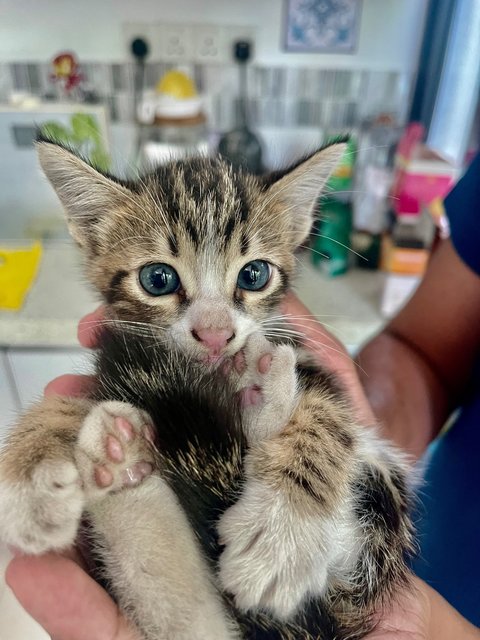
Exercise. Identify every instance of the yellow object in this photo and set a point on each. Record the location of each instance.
(178, 85)
(18, 268)
(437, 210)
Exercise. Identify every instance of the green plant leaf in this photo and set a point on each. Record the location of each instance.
(57, 132)
(100, 159)
(85, 127)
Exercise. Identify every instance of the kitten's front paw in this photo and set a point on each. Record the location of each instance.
(115, 448)
(273, 557)
(267, 385)
(43, 512)
(41, 506)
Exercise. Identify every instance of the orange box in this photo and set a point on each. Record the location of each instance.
(403, 260)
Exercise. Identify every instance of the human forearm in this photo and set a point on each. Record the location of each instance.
(445, 622)
(418, 368)
(420, 613)
(407, 397)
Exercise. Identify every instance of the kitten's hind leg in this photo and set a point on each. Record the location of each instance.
(155, 567)
(41, 497)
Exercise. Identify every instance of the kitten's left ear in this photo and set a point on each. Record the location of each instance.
(88, 196)
(297, 190)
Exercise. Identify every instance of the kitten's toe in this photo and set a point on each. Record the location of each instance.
(115, 448)
(267, 385)
(43, 512)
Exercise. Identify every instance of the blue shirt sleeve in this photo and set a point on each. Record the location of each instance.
(462, 206)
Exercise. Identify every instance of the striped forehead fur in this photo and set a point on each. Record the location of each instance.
(206, 199)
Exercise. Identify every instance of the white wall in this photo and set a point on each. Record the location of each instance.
(36, 29)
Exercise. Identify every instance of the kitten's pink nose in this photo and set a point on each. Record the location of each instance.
(214, 339)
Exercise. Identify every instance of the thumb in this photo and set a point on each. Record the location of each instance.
(65, 600)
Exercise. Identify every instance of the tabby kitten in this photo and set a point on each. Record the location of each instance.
(229, 491)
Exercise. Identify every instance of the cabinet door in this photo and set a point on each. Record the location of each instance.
(9, 403)
(34, 368)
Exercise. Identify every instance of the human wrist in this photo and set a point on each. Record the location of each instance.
(445, 622)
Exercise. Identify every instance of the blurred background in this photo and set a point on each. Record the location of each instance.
(132, 84)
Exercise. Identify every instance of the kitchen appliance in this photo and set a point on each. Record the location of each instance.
(241, 146)
(29, 207)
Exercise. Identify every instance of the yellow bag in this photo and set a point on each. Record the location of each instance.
(18, 268)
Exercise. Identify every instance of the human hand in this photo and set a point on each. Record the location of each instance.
(408, 617)
(330, 354)
(418, 612)
(60, 595)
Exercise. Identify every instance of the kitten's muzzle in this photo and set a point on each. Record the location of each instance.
(215, 340)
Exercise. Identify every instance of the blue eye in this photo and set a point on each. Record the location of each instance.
(159, 279)
(254, 275)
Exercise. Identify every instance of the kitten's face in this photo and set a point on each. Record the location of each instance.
(195, 249)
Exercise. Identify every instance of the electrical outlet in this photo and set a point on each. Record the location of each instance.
(201, 43)
(177, 42)
(131, 31)
(233, 33)
(208, 43)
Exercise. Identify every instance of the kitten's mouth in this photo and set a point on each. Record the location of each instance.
(212, 359)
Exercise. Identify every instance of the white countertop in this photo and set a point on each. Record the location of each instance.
(348, 305)
(58, 298)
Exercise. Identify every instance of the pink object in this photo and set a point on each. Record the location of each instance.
(214, 339)
(421, 174)
(250, 396)
(419, 189)
(411, 138)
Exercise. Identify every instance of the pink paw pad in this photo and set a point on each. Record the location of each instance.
(103, 477)
(117, 450)
(114, 449)
(124, 428)
(250, 396)
(264, 363)
(134, 475)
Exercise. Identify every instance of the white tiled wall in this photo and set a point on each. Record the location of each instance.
(9, 403)
(32, 369)
(24, 373)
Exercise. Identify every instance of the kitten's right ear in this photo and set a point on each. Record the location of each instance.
(86, 194)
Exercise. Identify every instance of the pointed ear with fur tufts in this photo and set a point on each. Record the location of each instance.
(298, 188)
(86, 194)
